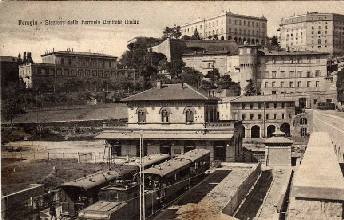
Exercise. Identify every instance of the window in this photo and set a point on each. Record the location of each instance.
(303, 132)
(251, 116)
(282, 105)
(165, 116)
(299, 84)
(273, 84)
(141, 116)
(267, 116)
(309, 74)
(273, 74)
(259, 105)
(275, 116)
(303, 121)
(251, 105)
(243, 117)
(243, 105)
(275, 105)
(283, 74)
(317, 84)
(282, 84)
(189, 116)
(317, 73)
(282, 115)
(259, 116)
(266, 84)
(291, 84)
(308, 83)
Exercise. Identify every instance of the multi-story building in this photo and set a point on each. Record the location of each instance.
(68, 65)
(274, 72)
(323, 32)
(228, 26)
(174, 118)
(297, 73)
(263, 115)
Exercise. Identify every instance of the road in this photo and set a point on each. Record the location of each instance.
(331, 122)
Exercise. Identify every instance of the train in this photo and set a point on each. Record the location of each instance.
(162, 184)
(78, 194)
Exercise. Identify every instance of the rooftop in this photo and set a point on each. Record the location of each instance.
(263, 98)
(72, 53)
(180, 161)
(170, 92)
(290, 53)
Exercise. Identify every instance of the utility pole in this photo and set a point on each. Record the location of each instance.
(142, 189)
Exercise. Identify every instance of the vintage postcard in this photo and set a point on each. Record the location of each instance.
(172, 110)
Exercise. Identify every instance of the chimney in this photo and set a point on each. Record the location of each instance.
(158, 84)
(24, 58)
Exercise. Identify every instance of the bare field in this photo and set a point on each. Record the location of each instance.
(17, 175)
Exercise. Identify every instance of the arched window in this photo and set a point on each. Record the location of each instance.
(255, 132)
(303, 132)
(189, 114)
(165, 115)
(270, 130)
(303, 121)
(141, 116)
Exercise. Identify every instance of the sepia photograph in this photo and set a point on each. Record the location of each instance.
(161, 110)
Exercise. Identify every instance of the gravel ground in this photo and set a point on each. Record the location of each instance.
(279, 184)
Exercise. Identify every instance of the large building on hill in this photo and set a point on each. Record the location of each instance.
(68, 65)
(322, 32)
(229, 26)
(173, 119)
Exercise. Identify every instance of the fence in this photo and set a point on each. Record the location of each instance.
(82, 157)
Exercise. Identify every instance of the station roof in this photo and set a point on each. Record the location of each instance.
(169, 92)
(319, 175)
(165, 135)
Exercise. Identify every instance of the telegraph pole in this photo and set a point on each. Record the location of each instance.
(142, 188)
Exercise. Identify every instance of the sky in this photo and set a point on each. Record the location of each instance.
(112, 38)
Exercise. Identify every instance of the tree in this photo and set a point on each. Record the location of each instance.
(225, 82)
(173, 33)
(191, 76)
(251, 88)
(214, 74)
(195, 36)
(274, 41)
(186, 37)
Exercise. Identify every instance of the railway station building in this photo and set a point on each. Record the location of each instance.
(173, 119)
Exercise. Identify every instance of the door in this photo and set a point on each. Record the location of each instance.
(220, 153)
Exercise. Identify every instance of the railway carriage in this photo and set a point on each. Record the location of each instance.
(163, 183)
(80, 193)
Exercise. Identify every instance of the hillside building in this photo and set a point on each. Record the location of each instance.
(229, 26)
(68, 65)
(322, 32)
